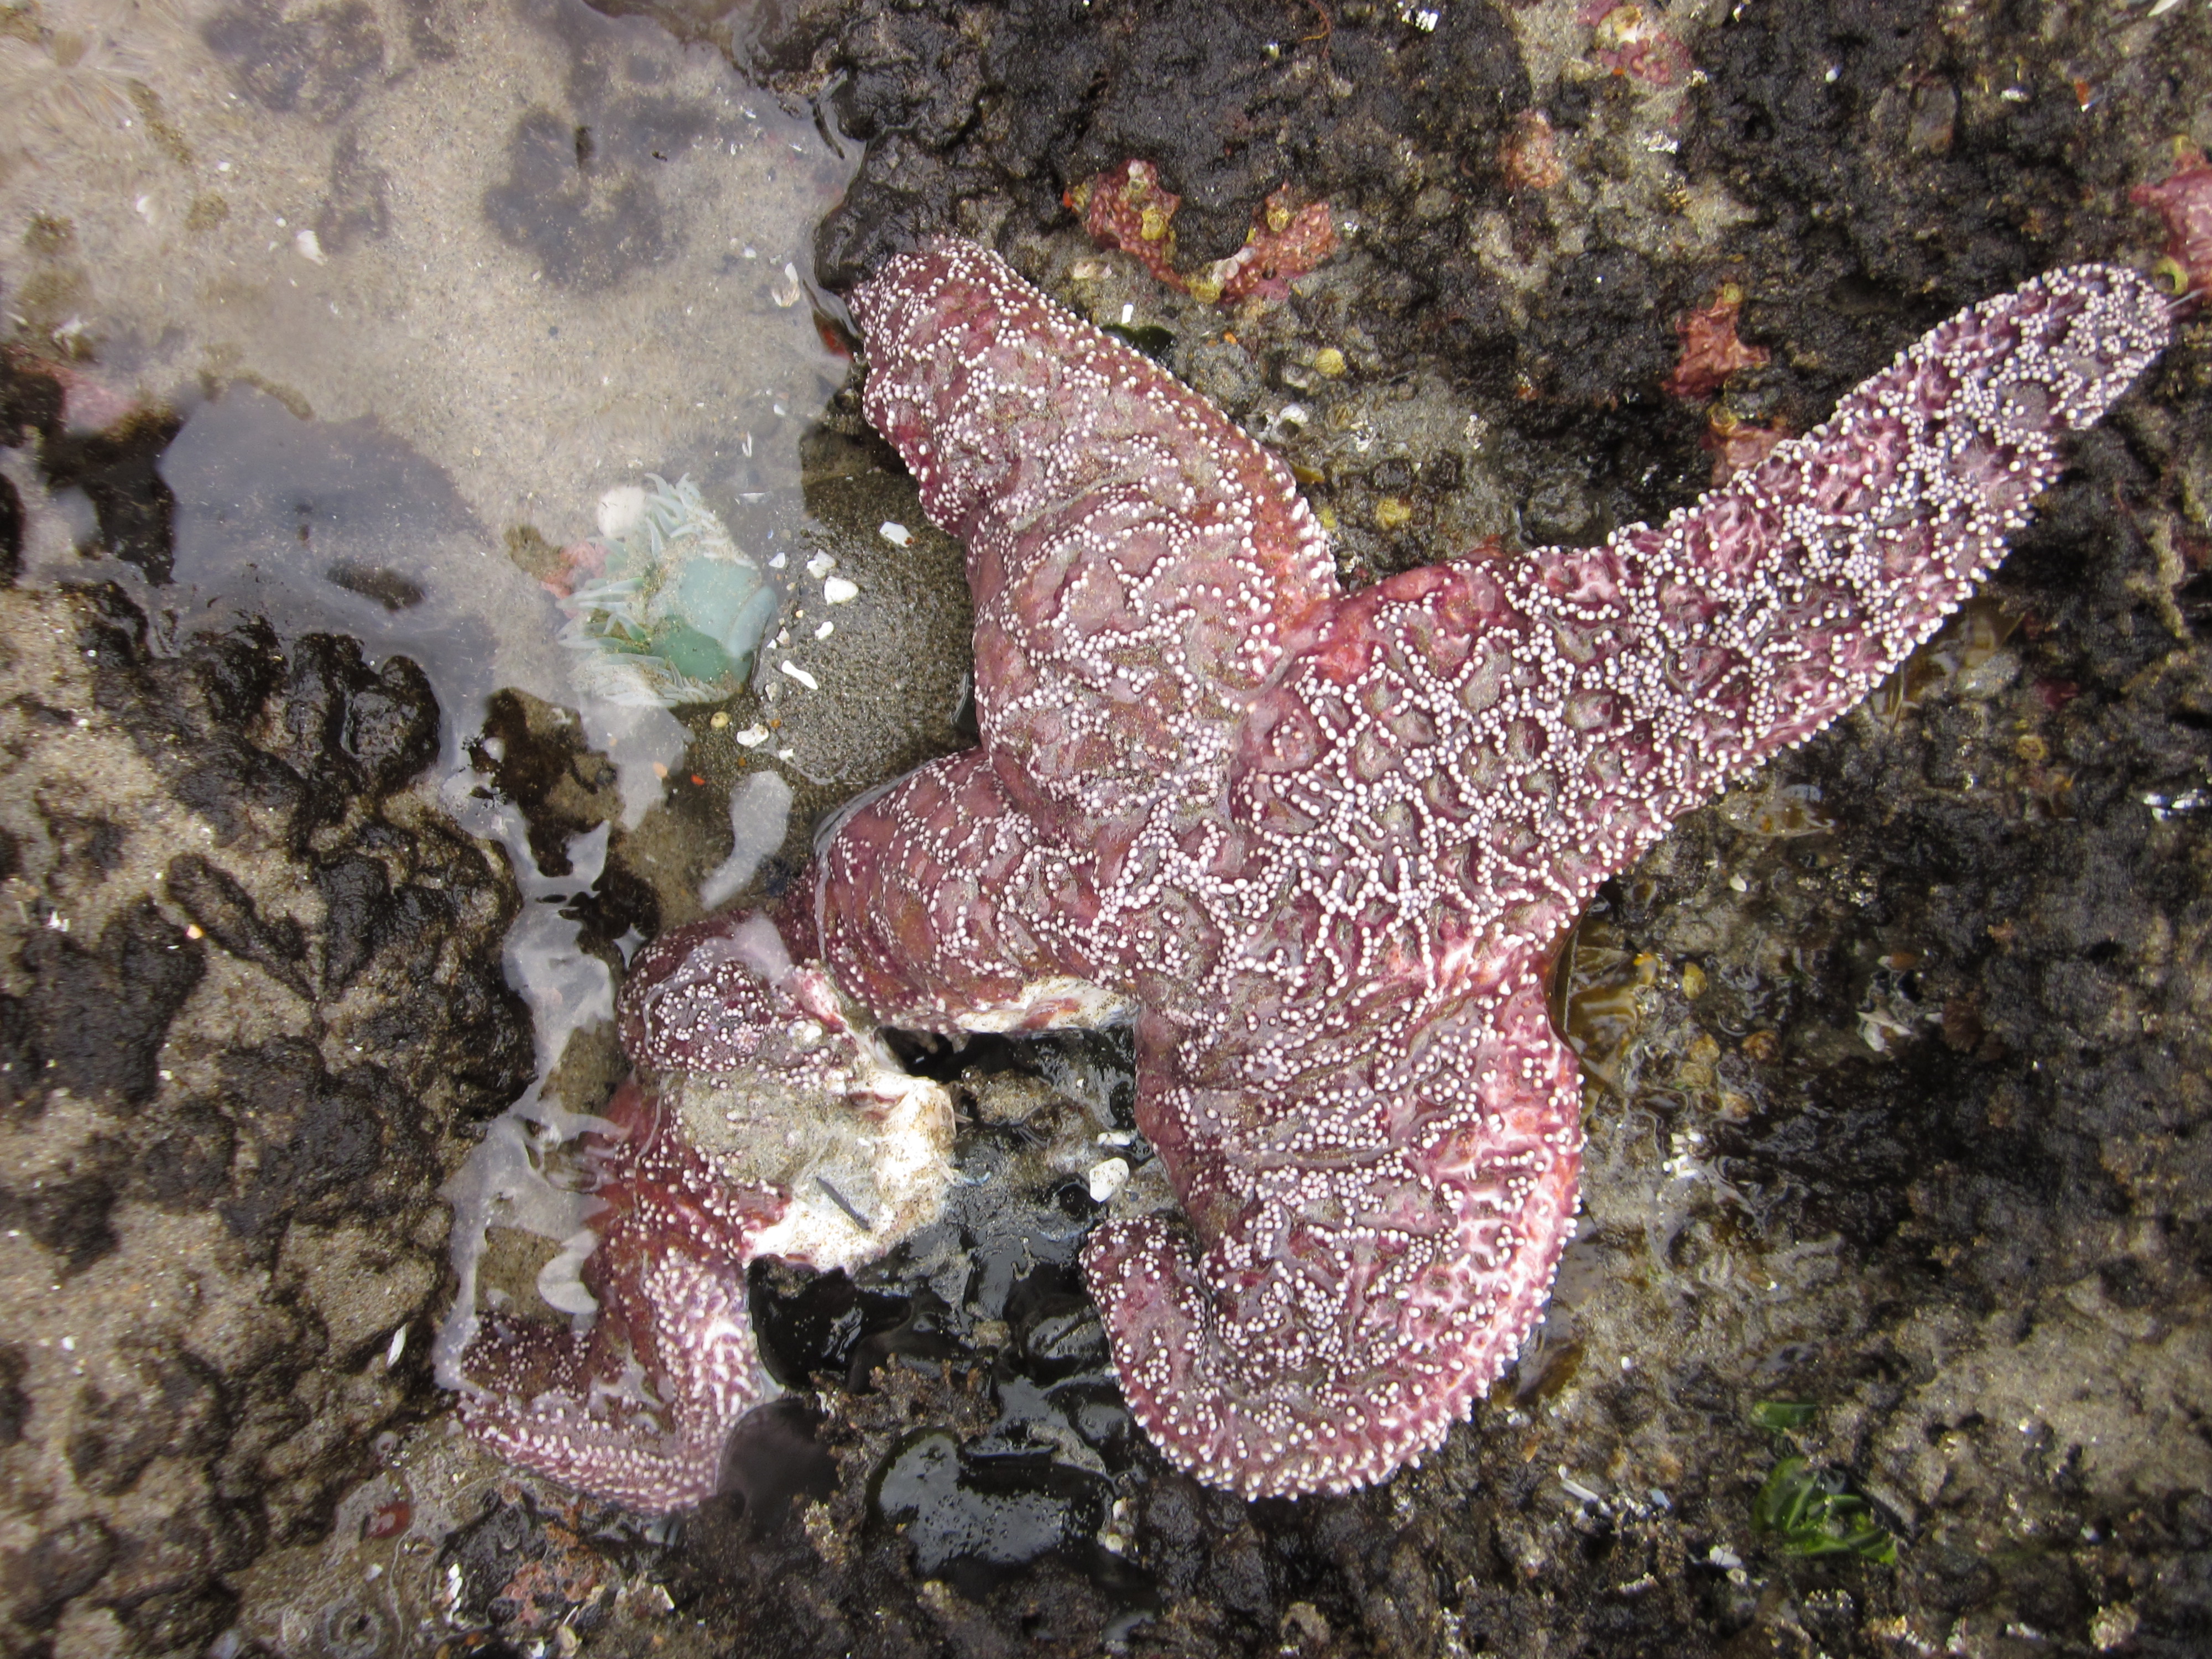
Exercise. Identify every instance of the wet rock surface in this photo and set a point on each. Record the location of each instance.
(253, 1006)
(1898, 1102)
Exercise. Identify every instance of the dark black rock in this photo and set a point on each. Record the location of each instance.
(99, 1014)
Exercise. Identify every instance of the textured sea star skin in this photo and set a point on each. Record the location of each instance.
(1320, 846)
(772, 1122)
(637, 1409)
(1325, 843)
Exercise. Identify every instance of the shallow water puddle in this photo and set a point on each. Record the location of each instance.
(358, 314)
(414, 291)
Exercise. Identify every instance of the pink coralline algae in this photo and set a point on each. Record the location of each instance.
(1283, 245)
(2185, 202)
(1737, 445)
(1529, 158)
(1631, 40)
(1126, 207)
(1710, 350)
(87, 403)
(1320, 846)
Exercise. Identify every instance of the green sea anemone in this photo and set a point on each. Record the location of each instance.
(676, 610)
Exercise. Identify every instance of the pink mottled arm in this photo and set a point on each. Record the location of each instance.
(1678, 657)
(1361, 1262)
(637, 1409)
(1138, 564)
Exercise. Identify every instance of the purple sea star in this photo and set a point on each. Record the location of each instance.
(1319, 847)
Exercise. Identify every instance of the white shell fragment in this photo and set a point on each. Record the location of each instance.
(1108, 1178)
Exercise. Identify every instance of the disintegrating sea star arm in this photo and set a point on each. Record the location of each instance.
(637, 1409)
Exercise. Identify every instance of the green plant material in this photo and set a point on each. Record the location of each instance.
(1781, 1415)
(1812, 1513)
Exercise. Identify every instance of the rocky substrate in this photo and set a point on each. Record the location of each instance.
(252, 1007)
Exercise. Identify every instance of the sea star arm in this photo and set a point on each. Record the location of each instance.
(636, 1409)
(1672, 659)
(766, 1119)
(1139, 565)
(1359, 1262)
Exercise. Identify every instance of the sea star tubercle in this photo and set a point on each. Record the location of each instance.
(1318, 846)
